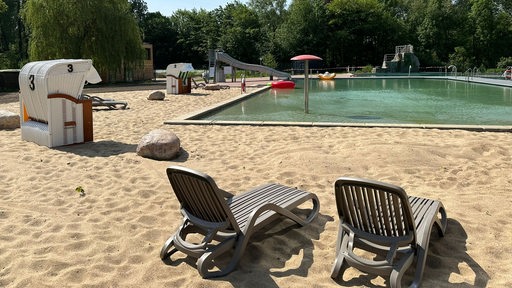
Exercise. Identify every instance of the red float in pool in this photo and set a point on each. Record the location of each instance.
(283, 84)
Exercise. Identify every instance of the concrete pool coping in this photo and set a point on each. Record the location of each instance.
(192, 118)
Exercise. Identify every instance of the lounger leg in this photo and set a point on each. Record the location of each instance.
(421, 259)
(337, 266)
(423, 247)
(314, 210)
(395, 279)
(165, 253)
(204, 262)
(420, 265)
(341, 245)
(443, 222)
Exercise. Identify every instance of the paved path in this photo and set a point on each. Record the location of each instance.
(482, 80)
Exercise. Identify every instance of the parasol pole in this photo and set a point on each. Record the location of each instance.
(306, 59)
(306, 86)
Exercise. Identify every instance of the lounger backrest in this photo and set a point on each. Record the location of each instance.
(375, 208)
(199, 196)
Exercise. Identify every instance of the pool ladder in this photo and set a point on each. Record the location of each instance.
(471, 72)
(454, 70)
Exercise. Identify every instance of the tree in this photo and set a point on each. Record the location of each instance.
(363, 31)
(105, 31)
(158, 30)
(434, 32)
(197, 32)
(342, 32)
(139, 9)
(13, 39)
(241, 32)
(504, 62)
(492, 30)
(3, 7)
(304, 30)
(271, 15)
(461, 59)
(505, 6)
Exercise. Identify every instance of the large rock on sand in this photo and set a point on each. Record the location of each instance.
(159, 144)
(156, 95)
(9, 120)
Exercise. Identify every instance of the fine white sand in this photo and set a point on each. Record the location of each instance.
(111, 237)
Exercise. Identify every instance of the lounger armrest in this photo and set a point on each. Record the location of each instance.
(226, 194)
(270, 207)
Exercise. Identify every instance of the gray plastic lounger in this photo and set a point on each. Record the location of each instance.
(107, 103)
(381, 218)
(226, 222)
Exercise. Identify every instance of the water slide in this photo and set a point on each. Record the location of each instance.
(223, 57)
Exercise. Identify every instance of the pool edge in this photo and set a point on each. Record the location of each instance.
(474, 128)
(192, 118)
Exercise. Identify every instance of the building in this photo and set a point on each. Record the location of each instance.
(142, 73)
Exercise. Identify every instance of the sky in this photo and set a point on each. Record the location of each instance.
(167, 7)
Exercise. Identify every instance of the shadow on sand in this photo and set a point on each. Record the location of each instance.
(268, 252)
(445, 257)
(107, 148)
(104, 148)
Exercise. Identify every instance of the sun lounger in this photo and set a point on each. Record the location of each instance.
(107, 103)
(381, 218)
(198, 85)
(225, 222)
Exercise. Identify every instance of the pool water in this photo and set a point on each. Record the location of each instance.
(393, 101)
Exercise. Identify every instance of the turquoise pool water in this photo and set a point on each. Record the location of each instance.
(393, 101)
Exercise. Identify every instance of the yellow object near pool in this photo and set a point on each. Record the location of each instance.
(327, 76)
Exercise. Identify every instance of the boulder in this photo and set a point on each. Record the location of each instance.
(159, 144)
(9, 120)
(156, 95)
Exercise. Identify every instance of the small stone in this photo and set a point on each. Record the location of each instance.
(159, 144)
(156, 95)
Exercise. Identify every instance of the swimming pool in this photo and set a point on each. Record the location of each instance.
(379, 100)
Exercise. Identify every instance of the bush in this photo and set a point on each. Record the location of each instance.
(365, 69)
(504, 62)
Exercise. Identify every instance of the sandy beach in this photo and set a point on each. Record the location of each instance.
(111, 237)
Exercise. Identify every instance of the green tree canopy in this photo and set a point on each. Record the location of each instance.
(492, 29)
(105, 31)
(3, 7)
(159, 32)
(197, 32)
(473, 33)
(139, 9)
(305, 29)
(363, 31)
(240, 32)
(12, 35)
(271, 14)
